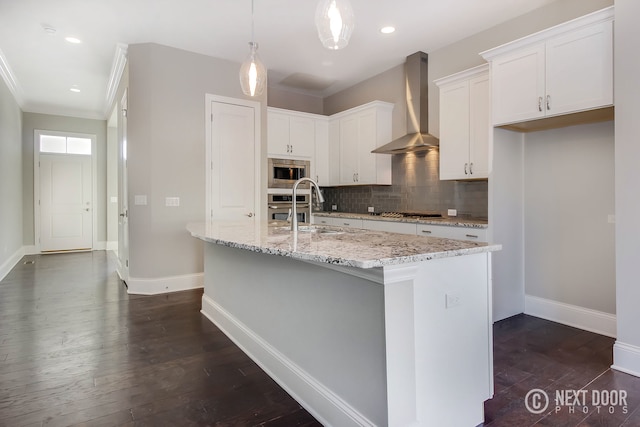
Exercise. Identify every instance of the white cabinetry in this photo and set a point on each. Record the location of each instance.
(320, 162)
(359, 131)
(290, 133)
(449, 232)
(390, 226)
(565, 69)
(465, 124)
(338, 222)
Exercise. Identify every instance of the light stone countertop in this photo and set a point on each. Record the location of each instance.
(341, 246)
(445, 221)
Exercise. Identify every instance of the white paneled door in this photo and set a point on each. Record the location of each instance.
(233, 166)
(66, 217)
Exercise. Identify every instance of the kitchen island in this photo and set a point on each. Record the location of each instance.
(361, 327)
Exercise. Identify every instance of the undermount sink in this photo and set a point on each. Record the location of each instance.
(313, 229)
(316, 229)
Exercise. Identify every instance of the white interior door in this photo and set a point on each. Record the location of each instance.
(123, 194)
(233, 154)
(66, 218)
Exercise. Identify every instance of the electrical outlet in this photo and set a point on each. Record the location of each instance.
(370, 209)
(140, 199)
(334, 207)
(172, 201)
(452, 300)
(452, 212)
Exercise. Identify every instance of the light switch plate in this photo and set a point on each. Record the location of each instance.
(370, 209)
(140, 200)
(114, 199)
(334, 207)
(452, 212)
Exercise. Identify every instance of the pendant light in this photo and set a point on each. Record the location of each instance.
(334, 22)
(253, 75)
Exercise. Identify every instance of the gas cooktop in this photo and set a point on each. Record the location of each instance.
(416, 215)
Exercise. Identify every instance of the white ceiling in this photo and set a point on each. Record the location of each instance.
(42, 67)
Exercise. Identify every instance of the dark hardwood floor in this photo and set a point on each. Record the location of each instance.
(76, 349)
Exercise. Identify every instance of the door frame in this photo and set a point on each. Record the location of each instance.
(36, 183)
(257, 130)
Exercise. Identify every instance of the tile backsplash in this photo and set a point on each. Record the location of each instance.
(416, 187)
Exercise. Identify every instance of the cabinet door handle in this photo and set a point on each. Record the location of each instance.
(470, 168)
(346, 223)
(354, 177)
(548, 102)
(465, 168)
(426, 231)
(357, 177)
(250, 214)
(539, 103)
(292, 148)
(324, 222)
(472, 236)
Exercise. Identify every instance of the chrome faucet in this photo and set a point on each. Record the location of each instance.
(294, 214)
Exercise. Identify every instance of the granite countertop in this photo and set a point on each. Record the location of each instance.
(448, 221)
(336, 245)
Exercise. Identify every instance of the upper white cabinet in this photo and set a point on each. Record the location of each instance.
(290, 134)
(354, 134)
(465, 124)
(320, 163)
(564, 69)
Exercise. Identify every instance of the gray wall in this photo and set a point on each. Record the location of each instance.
(10, 175)
(166, 158)
(569, 193)
(627, 153)
(290, 100)
(36, 121)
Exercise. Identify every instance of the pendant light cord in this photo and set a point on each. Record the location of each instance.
(252, 32)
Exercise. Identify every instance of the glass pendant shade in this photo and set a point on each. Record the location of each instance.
(253, 75)
(334, 22)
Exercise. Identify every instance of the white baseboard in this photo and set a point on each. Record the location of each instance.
(626, 358)
(571, 315)
(112, 246)
(327, 407)
(99, 246)
(164, 285)
(11, 262)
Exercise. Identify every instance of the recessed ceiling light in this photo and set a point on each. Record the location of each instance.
(73, 40)
(75, 89)
(387, 30)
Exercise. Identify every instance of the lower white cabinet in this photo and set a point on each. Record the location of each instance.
(338, 222)
(390, 226)
(450, 232)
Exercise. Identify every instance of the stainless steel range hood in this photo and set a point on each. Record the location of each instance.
(417, 137)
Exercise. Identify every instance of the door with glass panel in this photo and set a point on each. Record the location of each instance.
(65, 192)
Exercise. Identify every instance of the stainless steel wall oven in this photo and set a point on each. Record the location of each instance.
(280, 205)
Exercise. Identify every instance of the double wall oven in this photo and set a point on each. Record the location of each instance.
(283, 173)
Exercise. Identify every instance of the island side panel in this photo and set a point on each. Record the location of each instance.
(318, 326)
(454, 358)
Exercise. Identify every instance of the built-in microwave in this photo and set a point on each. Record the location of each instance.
(283, 173)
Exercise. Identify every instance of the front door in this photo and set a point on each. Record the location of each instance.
(66, 217)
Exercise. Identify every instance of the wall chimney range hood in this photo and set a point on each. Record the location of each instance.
(417, 137)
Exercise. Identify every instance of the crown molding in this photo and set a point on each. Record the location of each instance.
(10, 80)
(117, 69)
